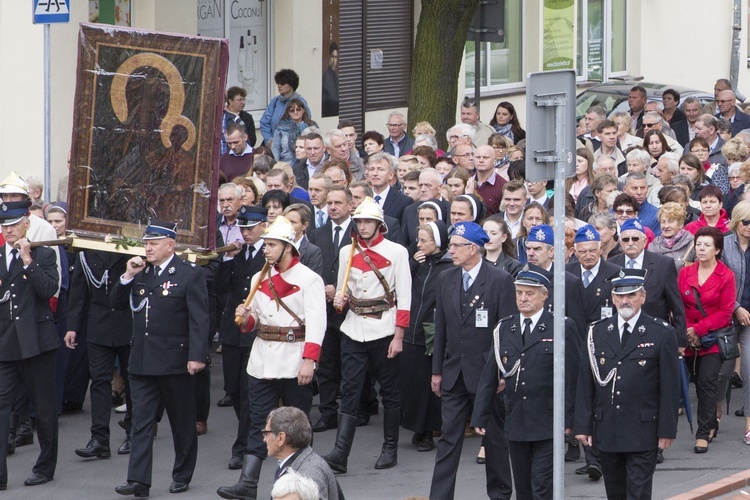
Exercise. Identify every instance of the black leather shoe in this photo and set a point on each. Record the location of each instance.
(594, 472)
(124, 448)
(363, 419)
(583, 470)
(236, 462)
(133, 488)
(224, 402)
(659, 456)
(323, 425)
(94, 449)
(739, 413)
(178, 487)
(427, 444)
(36, 479)
(3, 486)
(25, 438)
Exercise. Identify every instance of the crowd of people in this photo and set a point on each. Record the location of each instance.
(394, 274)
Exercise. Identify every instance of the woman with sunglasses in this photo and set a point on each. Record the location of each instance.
(626, 207)
(294, 120)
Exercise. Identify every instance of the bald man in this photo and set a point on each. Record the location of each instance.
(725, 103)
(489, 184)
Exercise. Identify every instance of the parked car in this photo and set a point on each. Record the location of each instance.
(613, 96)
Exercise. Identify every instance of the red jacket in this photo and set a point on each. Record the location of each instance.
(722, 224)
(717, 295)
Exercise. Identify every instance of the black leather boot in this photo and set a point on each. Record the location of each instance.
(12, 429)
(247, 486)
(573, 454)
(391, 422)
(25, 433)
(339, 457)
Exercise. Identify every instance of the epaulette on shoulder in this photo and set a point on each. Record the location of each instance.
(598, 321)
(188, 263)
(660, 322)
(507, 318)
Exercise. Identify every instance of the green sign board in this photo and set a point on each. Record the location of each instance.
(559, 35)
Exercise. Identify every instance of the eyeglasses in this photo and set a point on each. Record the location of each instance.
(720, 101)
(649, 125)
(746, 222)
(456, 137)
(265, 432)
(464, 155)
(238, 99)
(734, 177)
(453, 246)
(394, 125)
(295, 110)
(634, 239)
(697, 151)
(624, 211)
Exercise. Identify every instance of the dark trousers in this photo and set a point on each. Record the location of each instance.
(592, 455)
(704, 373)
(356, 359)
(532, 469)
(457, 404)
(77, 374)
(264, 395)
(203, 393)
(177, 392)
(628, 476)
(37, 376)
(420, 407)
(101, 366)
(329, 371)
(235, 383)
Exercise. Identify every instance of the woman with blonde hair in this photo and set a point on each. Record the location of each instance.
(674, 241)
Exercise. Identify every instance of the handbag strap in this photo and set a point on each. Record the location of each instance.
(697, 297)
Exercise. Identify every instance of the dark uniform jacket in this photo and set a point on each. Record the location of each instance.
(462, 348)
(89, 308)
(171, 327)
(529, 393)
(643, 406)
(599, 292)
(233, 278)
(322, 237)
(26, 324)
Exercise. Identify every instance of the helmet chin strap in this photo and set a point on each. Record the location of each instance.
(286, 244)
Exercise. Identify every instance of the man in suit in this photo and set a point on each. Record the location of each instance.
(288, 436)
(337, 147)
(381, 169)
(595, 275)
(523, 347)
(318, 188)
(662, 294)
(108, 335)
(361, 190)
(287, 311)
(630, 388)
(378, 295)
(471, 299)
(28, 340)
(397, 143)
(310, 255)
(706, 127)
(169, 301)
(233, 280)
(331, 238)
(316, 154)
(727, 110)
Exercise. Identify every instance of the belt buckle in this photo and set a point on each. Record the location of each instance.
(290, 337)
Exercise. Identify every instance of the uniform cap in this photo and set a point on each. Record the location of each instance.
(158, 229)
(628, 281)
(470, 231)
(542, 234)
(251, 215)
(13, 211)
(586, 234)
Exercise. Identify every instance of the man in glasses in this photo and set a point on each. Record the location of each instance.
(463, 155)
(653, 120)
(662, 294)
(727, 110)
(397, 143)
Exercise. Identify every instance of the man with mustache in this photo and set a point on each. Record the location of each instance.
(627, 393)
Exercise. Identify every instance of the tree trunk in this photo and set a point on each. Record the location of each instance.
(438, 52)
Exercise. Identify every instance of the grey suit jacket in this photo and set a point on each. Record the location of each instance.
(310, 464)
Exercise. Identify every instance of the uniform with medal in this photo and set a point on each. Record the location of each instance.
(523, 356)
(464, 319)
(288, 314)
(628, 390)
(28, 340)
(169, 302)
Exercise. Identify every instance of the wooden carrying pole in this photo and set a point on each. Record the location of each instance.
(249, 299)
(348, 269)
(51, 243)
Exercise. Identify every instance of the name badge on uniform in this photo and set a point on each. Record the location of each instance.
(481, 319)
(606, 310)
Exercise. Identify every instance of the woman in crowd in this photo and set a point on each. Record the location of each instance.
(287, 81)
(299, 149)
(444, 165)
(639, 160)
(584, 173)
(467, 208)
(501, 145)
(606, 225)
(373, 142)
(250, 192)
(338, 179)
(735, 249)
(670, 98)
(505, 122)
(655, 144)
(602, 185)
(406, 163)
(428, 140)
(499, 251)
(457, 180)
(678, 193)
(420, 408)
(692, 166)
(276, 202)
(625, 140)
(712, 212)
(734, 151)
(533, 215)
(739, 176)
(674, 241)
(625, 207)
(514, 154)
(425, 156)
(711, 283)
(294, 120)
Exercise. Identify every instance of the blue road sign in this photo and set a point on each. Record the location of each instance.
(51, 11)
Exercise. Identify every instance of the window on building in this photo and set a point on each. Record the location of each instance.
(501, 64)
(602, 39)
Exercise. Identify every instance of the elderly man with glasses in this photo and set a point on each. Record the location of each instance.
(397, 143)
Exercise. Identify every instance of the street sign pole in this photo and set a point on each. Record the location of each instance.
(47, 118)
(550, 141)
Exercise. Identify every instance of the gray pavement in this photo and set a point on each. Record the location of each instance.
(95, 479)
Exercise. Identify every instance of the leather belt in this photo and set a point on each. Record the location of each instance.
(281, 333)
(372, 307)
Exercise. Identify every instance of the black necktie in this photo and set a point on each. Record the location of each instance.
(336, 236)
(625, 335)
(157, 271)
(13, 259)
(526, 330)
(249, 252)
